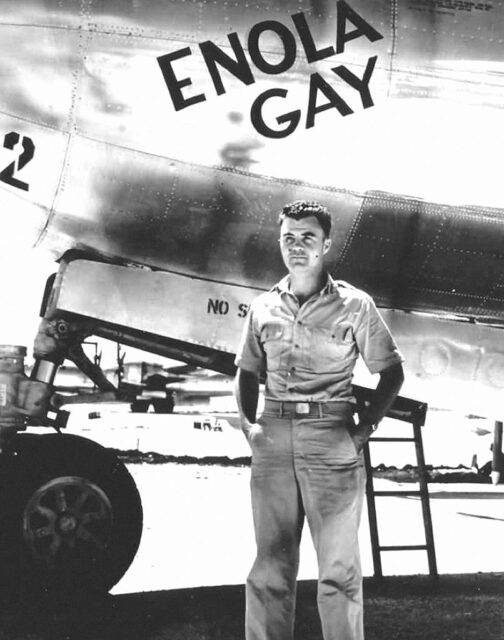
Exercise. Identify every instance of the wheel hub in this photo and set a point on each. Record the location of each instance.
(68, 518)
(67, 524)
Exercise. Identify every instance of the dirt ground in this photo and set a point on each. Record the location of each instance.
(456, 607)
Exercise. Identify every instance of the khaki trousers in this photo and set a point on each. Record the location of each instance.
(305, 466)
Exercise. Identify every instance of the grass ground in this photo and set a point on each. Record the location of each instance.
(456, 607)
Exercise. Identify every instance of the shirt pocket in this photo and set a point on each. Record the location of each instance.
(273, 339)
(331, 347)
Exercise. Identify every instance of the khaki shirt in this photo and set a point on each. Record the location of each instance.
(309, 352)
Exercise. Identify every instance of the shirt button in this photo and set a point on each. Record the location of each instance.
(296, 346)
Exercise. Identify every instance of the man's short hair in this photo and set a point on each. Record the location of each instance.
(304, 209)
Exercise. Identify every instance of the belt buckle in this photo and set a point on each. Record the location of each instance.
(302, 408)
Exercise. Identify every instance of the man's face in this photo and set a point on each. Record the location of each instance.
(303, 244)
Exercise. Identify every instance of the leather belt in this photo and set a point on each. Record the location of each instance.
(307, 409)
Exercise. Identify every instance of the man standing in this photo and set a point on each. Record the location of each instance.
(306, 334)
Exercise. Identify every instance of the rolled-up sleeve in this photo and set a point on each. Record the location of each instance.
(374, 340)
(250, 354)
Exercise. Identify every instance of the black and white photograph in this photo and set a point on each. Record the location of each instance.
(251, 360)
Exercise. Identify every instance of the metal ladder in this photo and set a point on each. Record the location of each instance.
(415, 413)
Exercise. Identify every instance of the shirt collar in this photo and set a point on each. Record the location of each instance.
(283, 286)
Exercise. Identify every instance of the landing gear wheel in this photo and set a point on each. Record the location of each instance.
(139, 406)
(70, 516)
(163, 405)
(67, 515)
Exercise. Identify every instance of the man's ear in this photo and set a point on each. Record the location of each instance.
(327, 245)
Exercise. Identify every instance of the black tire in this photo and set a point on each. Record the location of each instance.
(140, 406)
(163, 405)
(70, 516)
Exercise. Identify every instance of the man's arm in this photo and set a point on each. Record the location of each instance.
(247, 396)
(391, 380)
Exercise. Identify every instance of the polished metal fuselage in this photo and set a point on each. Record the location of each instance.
(118, 172)
(413, 182)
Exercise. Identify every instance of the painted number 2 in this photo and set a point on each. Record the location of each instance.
(7, 175)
